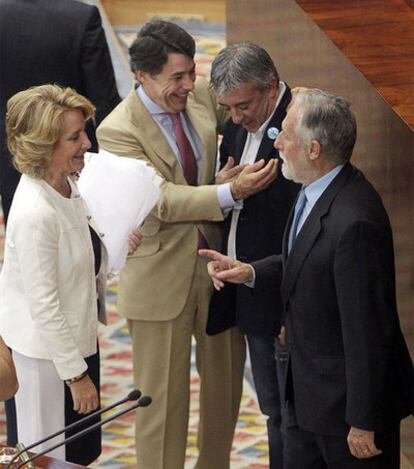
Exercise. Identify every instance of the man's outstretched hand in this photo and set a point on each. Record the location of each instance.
(225, 269)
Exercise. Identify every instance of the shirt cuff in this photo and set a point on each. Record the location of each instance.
(251, 284)
(225, 199)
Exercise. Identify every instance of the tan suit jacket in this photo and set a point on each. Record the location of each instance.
(156, 280)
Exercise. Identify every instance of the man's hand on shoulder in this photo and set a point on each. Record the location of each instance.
(253, 178)
(362, 443)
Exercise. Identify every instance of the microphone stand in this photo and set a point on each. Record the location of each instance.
(143, 402)
(132, 396)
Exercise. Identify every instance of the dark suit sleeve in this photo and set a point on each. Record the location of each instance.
(225, 146)
(96, 68)
(364, 280)
(268, 272)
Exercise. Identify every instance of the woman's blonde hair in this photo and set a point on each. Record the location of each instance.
(34, 123)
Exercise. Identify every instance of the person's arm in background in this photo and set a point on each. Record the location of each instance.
(180, 203)
(8, 378)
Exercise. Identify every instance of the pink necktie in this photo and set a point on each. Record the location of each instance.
(188, 160)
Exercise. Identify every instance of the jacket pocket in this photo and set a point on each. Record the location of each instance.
(149, 246)
(151, 226)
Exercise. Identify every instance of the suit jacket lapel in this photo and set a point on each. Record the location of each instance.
(150, 132)
(309, 232)
(240, 137)
(196, 112)
(266, 149)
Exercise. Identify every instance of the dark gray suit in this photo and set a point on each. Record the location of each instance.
(349, 364)
(51, 41)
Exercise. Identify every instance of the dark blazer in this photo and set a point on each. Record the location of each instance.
(259, 233)
(52, 41)
(349, 363)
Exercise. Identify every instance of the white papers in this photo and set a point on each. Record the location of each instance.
(120, 192)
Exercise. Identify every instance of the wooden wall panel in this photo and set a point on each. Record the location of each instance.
(378, 38)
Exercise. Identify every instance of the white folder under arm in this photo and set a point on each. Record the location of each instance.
(120, 192)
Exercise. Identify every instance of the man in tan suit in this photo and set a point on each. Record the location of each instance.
(164, 290)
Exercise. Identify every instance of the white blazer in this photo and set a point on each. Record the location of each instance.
(48, 289)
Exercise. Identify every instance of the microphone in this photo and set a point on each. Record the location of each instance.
(143, 402)
(132, 396)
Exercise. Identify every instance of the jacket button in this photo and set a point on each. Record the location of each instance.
(101, 235)
(88, 217)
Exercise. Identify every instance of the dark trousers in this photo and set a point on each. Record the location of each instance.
(268, 359)
(11, 422)
(86, 449)
(306, 450)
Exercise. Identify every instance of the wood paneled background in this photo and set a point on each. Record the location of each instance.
(377, 36)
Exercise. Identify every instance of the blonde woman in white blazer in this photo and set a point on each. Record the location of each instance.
(54, 270)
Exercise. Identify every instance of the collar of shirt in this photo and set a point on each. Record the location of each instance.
(161, 115)
(314, 190)
(151, 106)
(156, 111)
